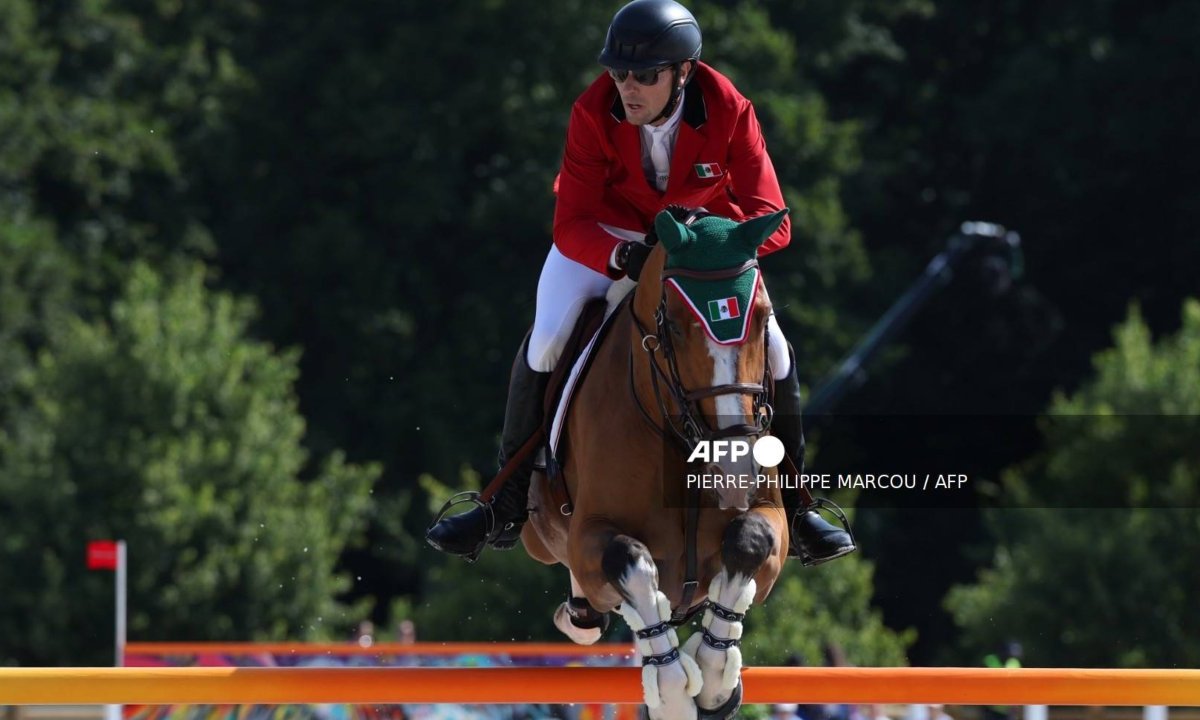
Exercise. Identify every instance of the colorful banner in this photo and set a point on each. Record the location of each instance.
(419, 655)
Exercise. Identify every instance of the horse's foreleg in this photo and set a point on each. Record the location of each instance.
(748, 542)
(669, 679)
(577, 619)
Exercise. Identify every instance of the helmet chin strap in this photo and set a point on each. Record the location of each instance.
(676, 91)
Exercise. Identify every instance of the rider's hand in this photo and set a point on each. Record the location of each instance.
(631, 256)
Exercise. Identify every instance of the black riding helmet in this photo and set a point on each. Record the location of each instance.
(652, 33)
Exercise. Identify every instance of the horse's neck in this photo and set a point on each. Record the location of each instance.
(646, 297)
(642, 324)
(650, 285)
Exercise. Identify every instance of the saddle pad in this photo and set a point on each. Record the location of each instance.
(616, 295)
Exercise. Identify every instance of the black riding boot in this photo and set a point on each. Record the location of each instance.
(813, 539)
(499, 524)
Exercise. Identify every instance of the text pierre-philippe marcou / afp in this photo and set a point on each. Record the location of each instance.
(828, 481)
(767, 451)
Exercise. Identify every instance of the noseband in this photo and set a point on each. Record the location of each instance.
(691, 429)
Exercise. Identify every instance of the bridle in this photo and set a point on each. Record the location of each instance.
(690, 428)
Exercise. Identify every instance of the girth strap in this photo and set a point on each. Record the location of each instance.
(683, 612)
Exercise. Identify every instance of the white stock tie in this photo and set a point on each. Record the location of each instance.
(660, 156)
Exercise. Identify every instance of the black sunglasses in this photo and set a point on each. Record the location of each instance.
(641, 77)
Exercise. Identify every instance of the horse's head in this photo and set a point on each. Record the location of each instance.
(703, 314)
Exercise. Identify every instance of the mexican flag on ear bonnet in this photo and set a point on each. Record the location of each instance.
(722, 306)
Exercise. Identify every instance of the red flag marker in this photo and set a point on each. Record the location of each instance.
(102, 555)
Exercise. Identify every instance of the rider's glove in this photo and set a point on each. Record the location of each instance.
(631, 256)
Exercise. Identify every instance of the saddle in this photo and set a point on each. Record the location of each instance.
(589, 331)
(586, 327)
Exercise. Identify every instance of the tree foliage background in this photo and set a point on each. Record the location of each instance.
(263, 267)
(1127, 438)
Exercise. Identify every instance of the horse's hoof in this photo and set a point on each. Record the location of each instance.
(728, 708)
(585, 634)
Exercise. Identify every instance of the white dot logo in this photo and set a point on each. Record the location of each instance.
(768, 451)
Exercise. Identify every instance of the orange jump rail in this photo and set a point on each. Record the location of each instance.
(220, 686)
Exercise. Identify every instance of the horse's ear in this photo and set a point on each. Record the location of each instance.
(755, 231)
(671, 233)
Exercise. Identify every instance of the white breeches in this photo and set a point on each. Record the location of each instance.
(777, 354)
(565, 286)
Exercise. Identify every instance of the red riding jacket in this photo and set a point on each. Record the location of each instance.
(720, 162)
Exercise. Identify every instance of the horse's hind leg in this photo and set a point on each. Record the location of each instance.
(577, 619)
(669, 678)
(748, 542)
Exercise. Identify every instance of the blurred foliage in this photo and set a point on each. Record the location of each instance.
(165, 426)
(1096, 565)
(504, 597)
(811, 609)
(101, 105)
(35, 295)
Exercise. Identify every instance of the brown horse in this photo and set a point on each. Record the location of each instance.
(667, 378)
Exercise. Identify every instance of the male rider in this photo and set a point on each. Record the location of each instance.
(658, 128)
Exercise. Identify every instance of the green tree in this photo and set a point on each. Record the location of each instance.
(810, 608)
(35, 295)
(102, 106)
(505, 597)
(164, 425)
(1096, 558)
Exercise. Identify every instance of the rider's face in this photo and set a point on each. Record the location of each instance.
(643, 103)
